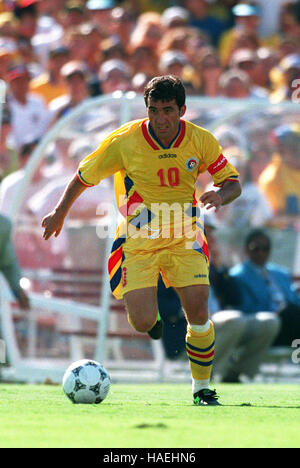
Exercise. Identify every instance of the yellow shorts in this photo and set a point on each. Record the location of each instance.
(178, 266)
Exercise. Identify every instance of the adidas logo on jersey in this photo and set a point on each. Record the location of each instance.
(167, 155)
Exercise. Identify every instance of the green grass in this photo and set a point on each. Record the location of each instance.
(151, 416)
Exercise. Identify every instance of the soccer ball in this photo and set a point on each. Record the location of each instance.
(86, 381)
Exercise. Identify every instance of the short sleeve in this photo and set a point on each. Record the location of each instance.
(102, 163)
(215, 162)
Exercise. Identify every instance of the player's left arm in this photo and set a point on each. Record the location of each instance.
(230, 190)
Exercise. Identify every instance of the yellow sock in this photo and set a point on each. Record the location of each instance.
(200, 350)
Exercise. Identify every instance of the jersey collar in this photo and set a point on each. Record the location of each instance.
(155, 143)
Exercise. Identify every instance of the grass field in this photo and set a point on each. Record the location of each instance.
(151, 416)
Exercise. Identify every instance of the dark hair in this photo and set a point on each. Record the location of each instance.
(165, 88)
(255, 234)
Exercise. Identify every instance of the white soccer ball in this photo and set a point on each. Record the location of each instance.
(86, 381)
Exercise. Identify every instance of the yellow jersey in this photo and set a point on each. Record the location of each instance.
(150, 177)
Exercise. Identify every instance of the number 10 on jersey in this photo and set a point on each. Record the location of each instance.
(169, 178)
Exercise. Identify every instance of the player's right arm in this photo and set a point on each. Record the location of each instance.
(54, 221)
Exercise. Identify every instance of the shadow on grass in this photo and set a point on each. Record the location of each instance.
(250, 405)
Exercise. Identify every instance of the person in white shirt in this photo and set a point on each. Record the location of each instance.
(30, 116)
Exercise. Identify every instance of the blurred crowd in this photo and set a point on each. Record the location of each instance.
(54, 54)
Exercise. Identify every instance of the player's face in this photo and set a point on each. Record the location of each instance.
(164, 117)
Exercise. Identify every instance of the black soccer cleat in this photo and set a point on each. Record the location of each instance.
(206, 397)
(156, 331)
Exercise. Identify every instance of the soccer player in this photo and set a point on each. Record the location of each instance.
(157, 161)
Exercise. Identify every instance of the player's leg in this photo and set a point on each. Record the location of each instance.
(200, 340)
(142, 309)
(139, 287)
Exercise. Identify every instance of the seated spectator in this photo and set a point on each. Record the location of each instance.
(241, 340)
(174, 62)
(112, 48)
(84, 43)
(267, 287)
(186, 39)
(235, 84)
(143, 59)
(290, 69)
(7, 55)
(247, 19)
(8, 161)
(123, 22)
(248, 61)
(74, 14)
(174, 17)
(201, 19)
(114, 75)
(290, 19)
(9, 265)
(280, 180)
(148, 31)
(207, 72)
(30, 115)
(51, 84)
(75, 74)
(99, 12)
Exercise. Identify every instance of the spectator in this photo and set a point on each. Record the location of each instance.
(7, 54)
(7, 161)
(247, 18)
(267, 287)
(248, 61)
(114, 76)
(30, 116)
(99, 12)
(207, 72)
(173, 62)
(188, 40)
(74, 73)
(123, 22)
(42, 31)
(280, 180)
(241, 340)
(143, 59)
(148, 31)
(290, 68)
(51, 84)
(235, 84)
(75, 14)
(290, 19)
(174, 17)
(201, 19)
(9, 265)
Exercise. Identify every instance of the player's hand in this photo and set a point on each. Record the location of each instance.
(211, 199)
(52, 224)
